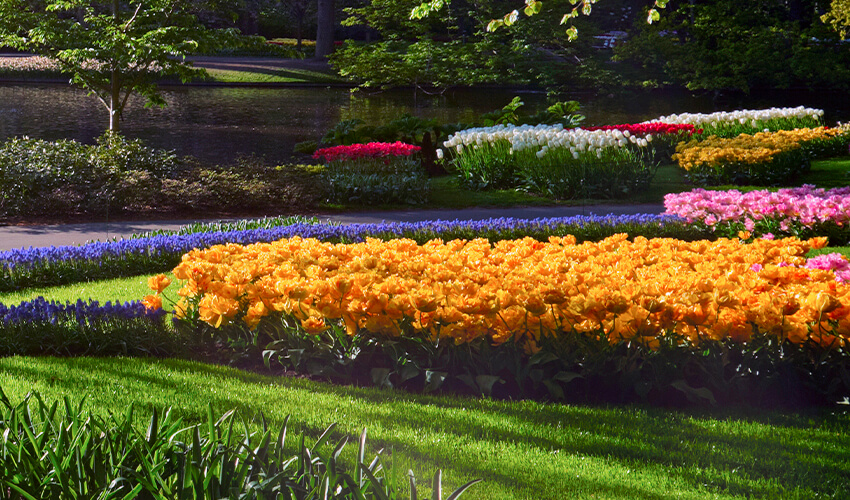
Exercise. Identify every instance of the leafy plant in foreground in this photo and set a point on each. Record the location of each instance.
(50, 451)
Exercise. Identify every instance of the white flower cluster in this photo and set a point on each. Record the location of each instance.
(741, 116)
(543, 138)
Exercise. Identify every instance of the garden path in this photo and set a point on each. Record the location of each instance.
(41, 235)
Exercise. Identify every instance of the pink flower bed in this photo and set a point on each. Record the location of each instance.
(369, 150)
(788, 208)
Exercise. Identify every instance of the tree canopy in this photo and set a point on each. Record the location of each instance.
(533, 7)
(112, 48)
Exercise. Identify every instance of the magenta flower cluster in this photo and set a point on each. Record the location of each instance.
(369, 150)
(789, 208)
(832, 261)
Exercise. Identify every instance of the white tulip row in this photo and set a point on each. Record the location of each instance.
(741, 116)
(543, 138)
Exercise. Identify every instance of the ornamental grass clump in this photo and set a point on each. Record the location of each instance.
(747, 121)
(374, 173)
(60, 450)
(763, 159)
(553, 161)
(803, 211)
(406, 310)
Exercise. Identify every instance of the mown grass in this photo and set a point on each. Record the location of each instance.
(522, 449)
(119, 289)
(288, 75)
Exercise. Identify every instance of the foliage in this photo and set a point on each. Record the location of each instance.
(119, 175)
(53, 451)
(718, 45)
(838, 16)
(112, 51)
(24, 268)
(42, 177)
(39, 327)
(533, 7)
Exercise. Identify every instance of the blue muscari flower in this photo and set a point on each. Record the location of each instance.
(176, 245)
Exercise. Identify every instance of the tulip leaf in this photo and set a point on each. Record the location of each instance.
(694, 395)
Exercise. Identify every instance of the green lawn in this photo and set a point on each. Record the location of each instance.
(522, 450)
(289, 75)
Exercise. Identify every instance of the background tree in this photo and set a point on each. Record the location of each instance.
(452, 47)
(112, 49)
(839, 16)
(717, 45)
(324, 28)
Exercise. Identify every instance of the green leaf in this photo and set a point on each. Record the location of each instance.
(437, 486)
(381, 377)
(434, 379)
(572, 33)
(653, 16)
(511, 18)
(458, 492)
(694, 395)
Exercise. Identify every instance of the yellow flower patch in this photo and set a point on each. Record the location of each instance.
(747, 149)
(519, 290)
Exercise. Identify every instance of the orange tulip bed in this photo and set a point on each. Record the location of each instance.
(634, 319)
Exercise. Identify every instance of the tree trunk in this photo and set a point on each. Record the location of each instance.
(115, 91)
(115, 103)
(324, 28)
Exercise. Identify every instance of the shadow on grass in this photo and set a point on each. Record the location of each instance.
(516, 444)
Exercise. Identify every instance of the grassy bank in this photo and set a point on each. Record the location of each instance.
(521, 449)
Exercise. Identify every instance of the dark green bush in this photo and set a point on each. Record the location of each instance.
(44, 178)
(41, 178)
(62, 451)
(249, 185)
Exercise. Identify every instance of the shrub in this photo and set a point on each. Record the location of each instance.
(119, 175)
(43, 178)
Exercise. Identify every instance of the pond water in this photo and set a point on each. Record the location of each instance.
(219, 123)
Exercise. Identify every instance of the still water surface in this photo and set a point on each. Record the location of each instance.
(219, 123)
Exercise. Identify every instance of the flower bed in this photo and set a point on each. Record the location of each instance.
(522, 290)
(47, 266)
(765, 158)
(40, 327)
(374, 173)
(747, 121)
(548, 159)
(803, 211)
(705, 320)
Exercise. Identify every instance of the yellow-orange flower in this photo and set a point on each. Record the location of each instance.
(158, 283)
(152, 302)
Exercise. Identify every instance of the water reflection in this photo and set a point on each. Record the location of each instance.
(219, 123)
